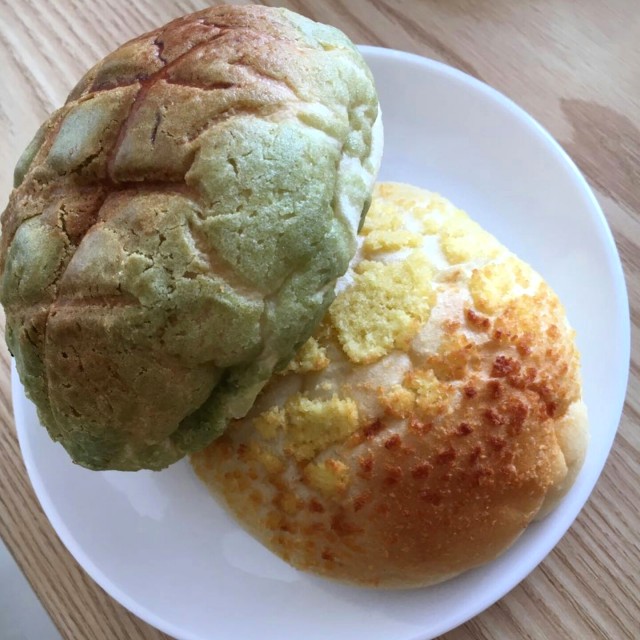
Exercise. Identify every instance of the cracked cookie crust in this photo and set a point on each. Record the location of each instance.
(178, 225)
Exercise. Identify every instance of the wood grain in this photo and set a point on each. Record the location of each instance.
(575, 67)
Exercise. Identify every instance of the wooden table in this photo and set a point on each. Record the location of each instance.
(575, 66)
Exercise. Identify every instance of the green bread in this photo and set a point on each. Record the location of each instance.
(177, 228)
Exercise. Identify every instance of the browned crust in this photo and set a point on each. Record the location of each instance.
(439, 487)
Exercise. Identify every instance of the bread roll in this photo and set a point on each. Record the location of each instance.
(177, 228)
(431, 418)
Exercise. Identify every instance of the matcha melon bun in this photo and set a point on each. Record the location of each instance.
(177, 228)
(434, 414)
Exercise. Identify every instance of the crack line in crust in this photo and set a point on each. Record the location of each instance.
(146, 84)
(159, 45)
(145, 87)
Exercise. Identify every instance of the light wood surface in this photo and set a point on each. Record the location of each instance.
(575, 66)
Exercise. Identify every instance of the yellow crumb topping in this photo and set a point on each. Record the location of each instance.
(383, 216)
(493, 286)
(521, 319)
(397, 400)
(380, 241)
(394, 204)
(384, 307)
(462, 240)
(432, 212)
(385, 229)
(421, 393)
(310, 357)
(308, 425)
(329, 477)
(454, 355)
(270, 422)
(268, 460)
(431, 395)
(313, 425)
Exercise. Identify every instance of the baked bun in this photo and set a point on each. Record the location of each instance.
(178, 226)
(431, 418)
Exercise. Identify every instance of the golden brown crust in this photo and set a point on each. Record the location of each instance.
(463, 434)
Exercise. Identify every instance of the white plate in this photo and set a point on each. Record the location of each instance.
(163, 548)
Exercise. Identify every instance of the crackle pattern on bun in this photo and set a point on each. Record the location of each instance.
(177, 228)
(434, 414)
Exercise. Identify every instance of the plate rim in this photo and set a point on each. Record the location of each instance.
(622, 316)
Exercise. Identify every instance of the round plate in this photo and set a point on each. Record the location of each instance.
(163, 548)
